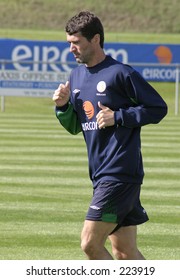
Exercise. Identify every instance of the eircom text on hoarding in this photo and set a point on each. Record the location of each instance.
(41, 65)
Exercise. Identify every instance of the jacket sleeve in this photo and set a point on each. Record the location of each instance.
(148, 108)
(68, 118)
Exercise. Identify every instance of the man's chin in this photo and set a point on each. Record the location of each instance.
(78, 60)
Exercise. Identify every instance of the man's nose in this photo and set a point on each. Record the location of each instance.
(72, 47)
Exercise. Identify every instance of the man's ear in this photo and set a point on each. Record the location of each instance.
(96, 39)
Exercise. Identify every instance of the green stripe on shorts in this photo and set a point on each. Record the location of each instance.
(109, 217)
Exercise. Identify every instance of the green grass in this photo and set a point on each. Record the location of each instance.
(40, 188)
(117, 15)
(59, 35)
(45, 189)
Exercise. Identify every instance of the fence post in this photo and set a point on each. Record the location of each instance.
(177, 91)
(2, 97)
(2, 103)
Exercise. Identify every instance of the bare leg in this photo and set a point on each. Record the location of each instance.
(124, 245)
(93, 238)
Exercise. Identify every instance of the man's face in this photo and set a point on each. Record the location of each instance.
(81, 48)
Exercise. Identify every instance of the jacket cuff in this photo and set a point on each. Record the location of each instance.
(118, 117)
(62, 108)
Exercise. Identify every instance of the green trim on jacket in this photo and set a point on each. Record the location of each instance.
(69, 120)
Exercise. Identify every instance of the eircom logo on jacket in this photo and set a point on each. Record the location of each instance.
(89, 112)
(88, 109)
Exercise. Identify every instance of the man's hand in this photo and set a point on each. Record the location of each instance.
(61, 95)
(105, 117)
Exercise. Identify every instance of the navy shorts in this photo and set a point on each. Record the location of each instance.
(117, 203)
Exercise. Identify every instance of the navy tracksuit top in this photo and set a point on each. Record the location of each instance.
(114, 153)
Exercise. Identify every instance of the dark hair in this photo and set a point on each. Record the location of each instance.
(87, 24)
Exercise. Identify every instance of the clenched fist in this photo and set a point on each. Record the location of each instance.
(62, 94)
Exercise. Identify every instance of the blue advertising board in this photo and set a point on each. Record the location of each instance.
(44, 64)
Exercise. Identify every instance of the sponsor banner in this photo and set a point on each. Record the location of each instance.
(40, 66)
(30, 83)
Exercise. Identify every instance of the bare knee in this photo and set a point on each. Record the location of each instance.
(119, 255)
(93, 237)
(87, 242)
(124, 254)
(128, 253)
(88, 246)
(91, 247)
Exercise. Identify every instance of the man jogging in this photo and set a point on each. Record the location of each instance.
(109, 102)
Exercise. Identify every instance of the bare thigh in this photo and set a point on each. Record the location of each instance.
(124, 245)
(123, 242)
(96, 231)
